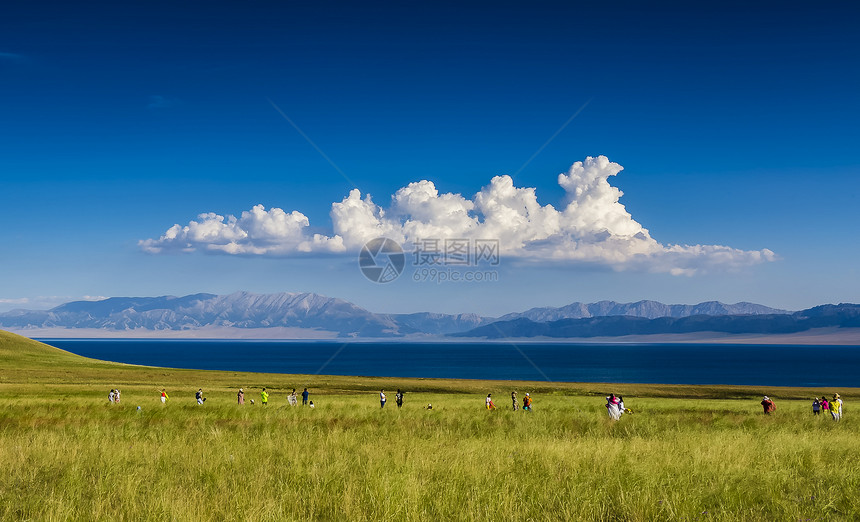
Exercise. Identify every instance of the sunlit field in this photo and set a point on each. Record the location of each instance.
(685, 453)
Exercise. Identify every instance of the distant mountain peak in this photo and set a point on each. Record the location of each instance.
(825, 316)
(308, 310)
(645, 308)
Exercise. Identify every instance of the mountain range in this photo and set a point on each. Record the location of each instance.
(242, 310)
(825, 316)
(314, 312)
(646, 309)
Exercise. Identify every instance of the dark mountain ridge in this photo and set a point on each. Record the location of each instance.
(843, 315)
(647, 309)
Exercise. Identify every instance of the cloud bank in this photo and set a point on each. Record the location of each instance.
(592, 227)
(43, 302)
(257, 231)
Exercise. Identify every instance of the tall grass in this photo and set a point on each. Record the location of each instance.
(70, 458)
(687, 453)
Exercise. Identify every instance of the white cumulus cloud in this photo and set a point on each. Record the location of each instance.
(592, 227)
(256, 231)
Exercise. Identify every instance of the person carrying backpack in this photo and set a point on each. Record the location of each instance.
(768, 405)
(527, 403)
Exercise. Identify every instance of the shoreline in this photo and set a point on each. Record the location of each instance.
(819, 336)
(207, 355)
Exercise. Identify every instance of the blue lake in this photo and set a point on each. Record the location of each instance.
(831, 366)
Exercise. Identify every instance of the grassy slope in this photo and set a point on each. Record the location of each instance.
(67, 454)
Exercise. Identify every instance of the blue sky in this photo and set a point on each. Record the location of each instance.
(736, 126)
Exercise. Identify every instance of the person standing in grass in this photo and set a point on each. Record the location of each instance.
(116, 396)
(241, 397)
(527, 403)
(825, 406)
(816, 406)
(398, 399)
(768, 405)
(382, 398)
(164, 396)
(490, 405)
(515, 405)
(612, 407)
(199, 396)
(836, 407)
(293, 399)
(305, 396)
(112, 396)
(264, 397)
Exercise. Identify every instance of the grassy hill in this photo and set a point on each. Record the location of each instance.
(20, 353)
(687, 453)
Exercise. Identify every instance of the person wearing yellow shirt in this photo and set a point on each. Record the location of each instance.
(264, 397)
(836, 407)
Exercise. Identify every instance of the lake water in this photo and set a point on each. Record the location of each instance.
(831, 366)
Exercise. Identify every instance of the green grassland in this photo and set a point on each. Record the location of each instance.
(686, 453)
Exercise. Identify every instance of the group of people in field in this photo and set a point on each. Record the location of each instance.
(614, 403)
(398, 399)
(292, 398)
(818, 405)
(527, 402)
(834, 406)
